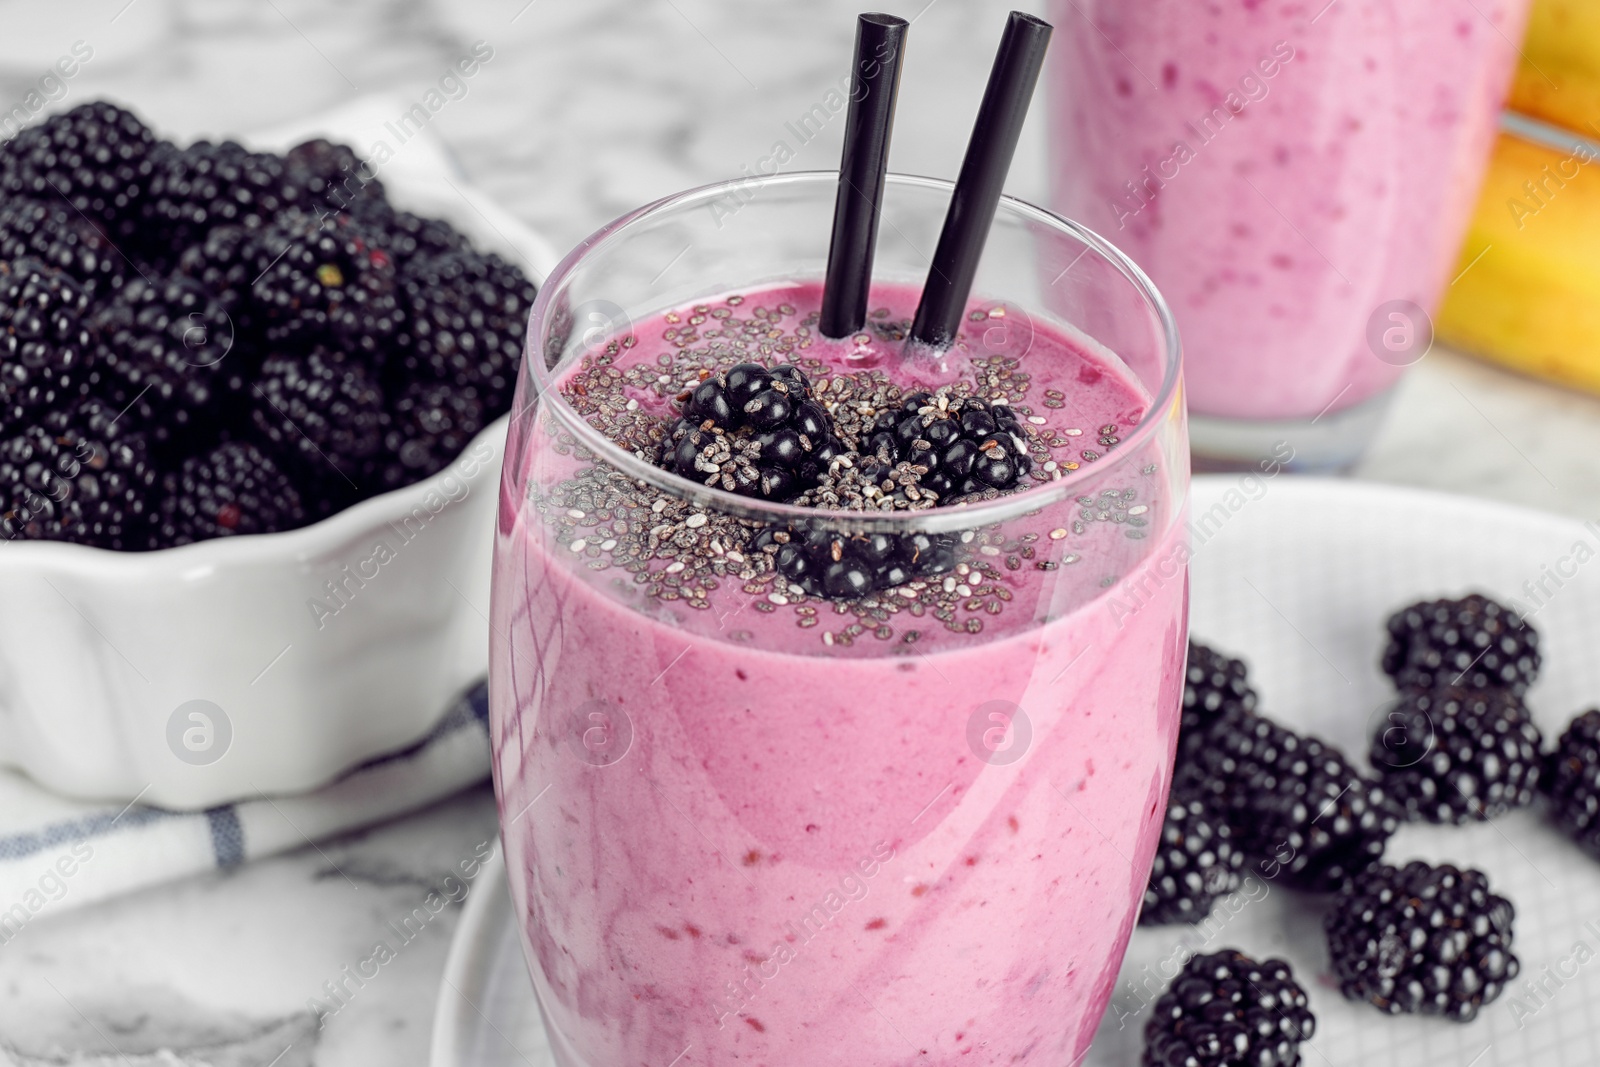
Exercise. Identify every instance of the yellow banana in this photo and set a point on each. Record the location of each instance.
(1558, 79)
(1528, 291)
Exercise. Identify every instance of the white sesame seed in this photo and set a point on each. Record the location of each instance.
(574, 513)
(608, 544)
(827, 637)
(949, 585)
(1138, 509)
(659, 506)
(909, 594)
(675, 566)
(989, 550)
(1037, 420)
(633, 405)
(777, 598)
(1057, 534)
(1071, 557)
(963, 569)
(578, 545)
(966, 537)
(736, 557)
(963, 590)
(695, 521)
(1074, 433)
(1050, 465)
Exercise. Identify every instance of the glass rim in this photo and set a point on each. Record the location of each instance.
(937, 519)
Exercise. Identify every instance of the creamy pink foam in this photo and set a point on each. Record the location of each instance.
(807, 854)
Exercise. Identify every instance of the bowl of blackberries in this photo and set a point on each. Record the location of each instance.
(251, 415)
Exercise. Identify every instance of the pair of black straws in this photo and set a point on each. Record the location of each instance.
(880, 43)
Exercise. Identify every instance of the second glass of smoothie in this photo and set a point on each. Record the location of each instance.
(1297, 176)
(872, 773)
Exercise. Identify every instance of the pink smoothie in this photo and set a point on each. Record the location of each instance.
(738, 833)
(1282, 169)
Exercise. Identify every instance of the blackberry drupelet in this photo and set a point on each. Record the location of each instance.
(1458, 755)
(1298, 810)
(1213, 685)
(412, 235)
(46, 345)
(232, 489)
(754, 431)
(430, 424)
(1573, 781)
(330, 280)
(59, 237)
(1195, 864)
(1227, 1010)
(321, 414)
(167, 361)
(329, 178)
(1474, 642)
(77, 475)
(195, 189)
(96, 157)
(1422, 939)
(467, 315)
(966, 445)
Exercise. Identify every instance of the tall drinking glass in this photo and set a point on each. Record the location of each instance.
(860, 783)
(1297, 176)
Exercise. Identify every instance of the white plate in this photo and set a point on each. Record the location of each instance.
(1296, 575)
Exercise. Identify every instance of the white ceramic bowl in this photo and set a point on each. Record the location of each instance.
(193, 676)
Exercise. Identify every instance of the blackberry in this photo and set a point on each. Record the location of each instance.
(1474, 642)
(60, 237)
(226, 263)
(843, 566)
(233, 489)
(1573, 781)
(412, 235)
(1458, 755)
(1296, 807)
(77, 476)
(329, 178)
(965, 445)
(430, 425)
(1213, 685)
(46, 346)
(746, 431)
(194, 189)
(1227, 1010)
(328, 280)
(467, 315)
(166, 359)
(1195, 864)
(96, 157)
(322, 416)
(1422, 939)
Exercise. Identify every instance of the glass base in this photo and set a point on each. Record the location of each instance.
(1330, 443)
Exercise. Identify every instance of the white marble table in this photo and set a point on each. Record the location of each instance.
(586, 108)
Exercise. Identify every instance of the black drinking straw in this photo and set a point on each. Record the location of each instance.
(983, 174)
(880, 39)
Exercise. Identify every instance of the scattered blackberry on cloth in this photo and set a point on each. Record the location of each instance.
(1195, 864)
(58, 236)
(328, 280)
(322, 414)
(96, 157)
(233, 489)
(77, 476)
(1573, 781)
(430, 424)
(1424, 939)
(1458, 755)
(467, 315)
(206, 185)
(46, 346)
(1474, 642)
(1297, 808)
(1213, 685)
(1227, 1010)
(966, 445)
(753, 431)
(166, 358)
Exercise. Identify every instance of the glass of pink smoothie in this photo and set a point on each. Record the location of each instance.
(871, 775)
(1297, 176)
